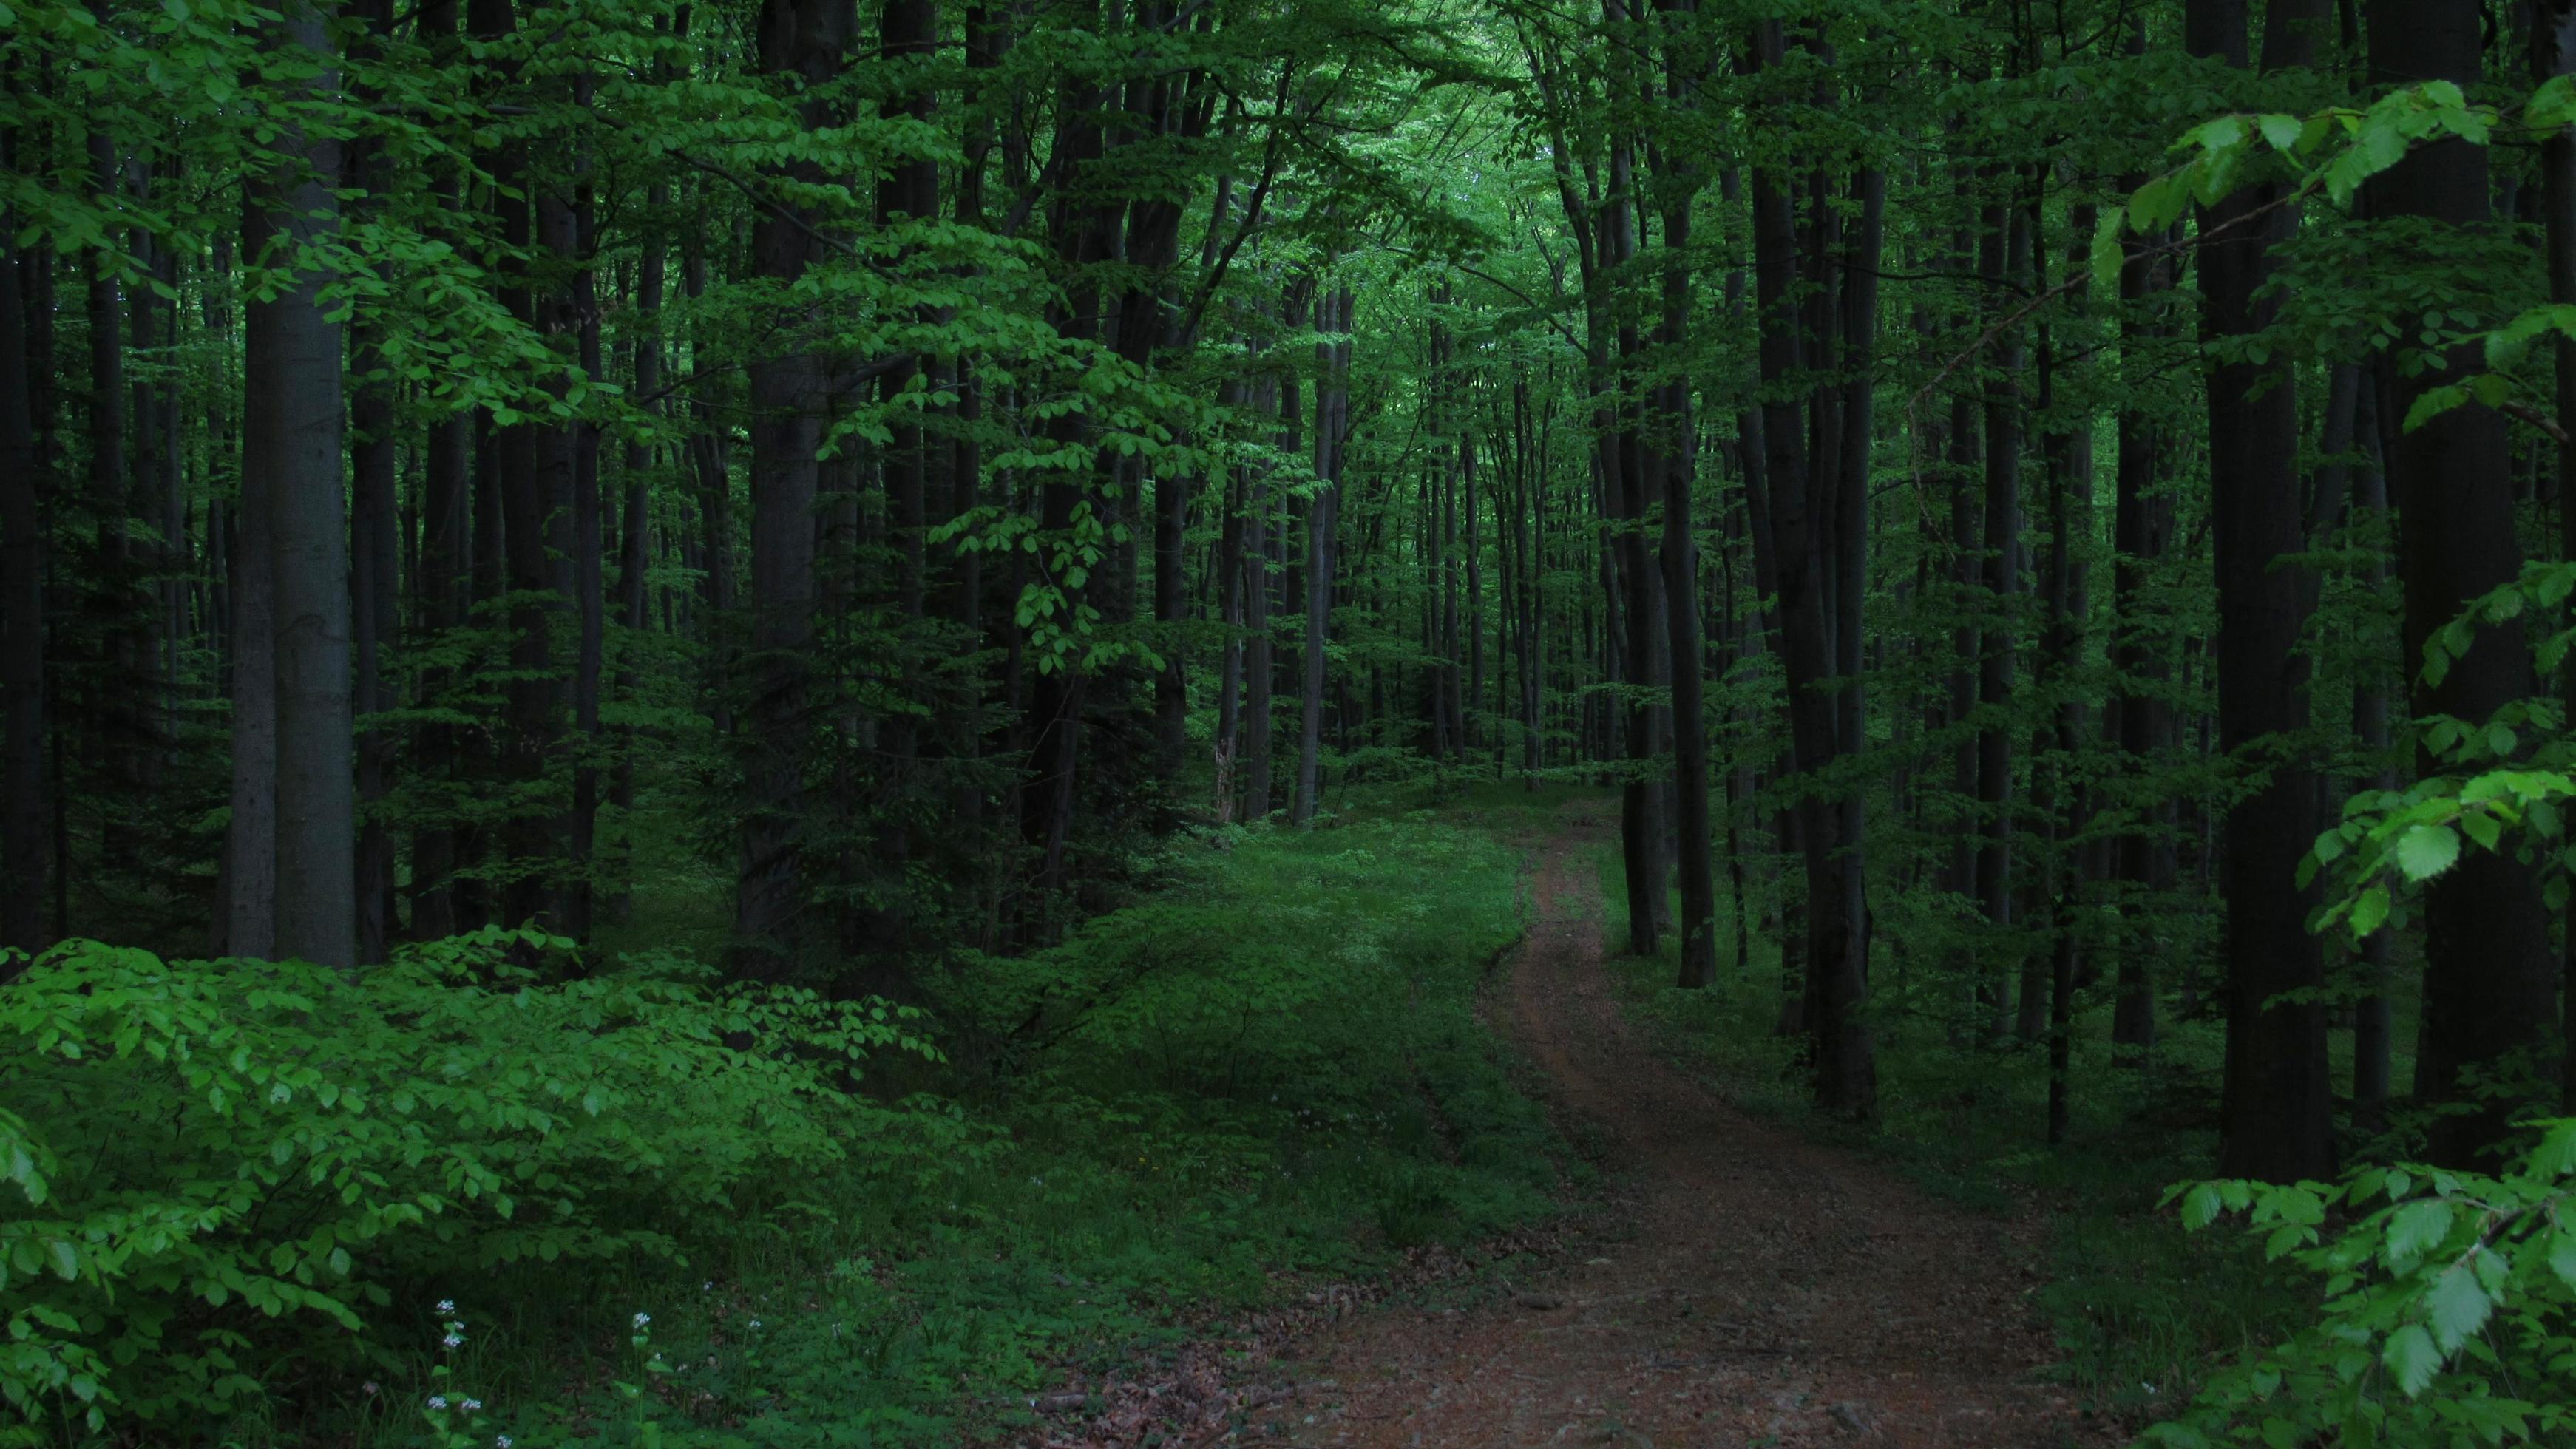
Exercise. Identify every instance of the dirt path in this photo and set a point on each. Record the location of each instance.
(1741, 1287)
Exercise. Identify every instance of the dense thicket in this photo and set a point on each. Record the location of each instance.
(881, 462)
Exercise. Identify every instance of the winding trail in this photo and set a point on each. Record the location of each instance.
(1741, 1286)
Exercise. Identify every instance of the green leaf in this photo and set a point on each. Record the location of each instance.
(2556, 1155)
(2562, 1257)
(2281, 131)
(2426, 851)
(2411, 1358)
(2369, 911)
(2459, 1308)
(2108, 257)
(2200, 1206)
(2432, 404)
(2416, 1229)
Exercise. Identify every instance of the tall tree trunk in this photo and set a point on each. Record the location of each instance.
(1671, 434)
(2141, 526)
(375, 548)
(2490, 979)
(1803, 540)
(2553, 53)
(291, 373)
(2373, 1030)
(1231, 593)
(2278, 1102)
(1334, 318)
(807, 40)
(2007, 255)
(634, 552)
(1258, 509)
(22, 615)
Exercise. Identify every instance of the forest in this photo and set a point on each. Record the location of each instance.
(1083, 722)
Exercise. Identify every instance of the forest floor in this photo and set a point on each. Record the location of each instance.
(1735, 1283)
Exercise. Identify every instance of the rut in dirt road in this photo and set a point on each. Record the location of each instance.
(1740, 1287)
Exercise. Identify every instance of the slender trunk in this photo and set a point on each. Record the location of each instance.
(2373, 1032)
(2007, 253)
(22, 618)
(2141, 526)
(634, 553)
(1231, 594)
(575, 896)
(1257, 667)
(1332, 409)
(1680, 559)
(375, 549)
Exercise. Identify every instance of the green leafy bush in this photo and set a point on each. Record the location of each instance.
(227, 1170)
(2449, 1313)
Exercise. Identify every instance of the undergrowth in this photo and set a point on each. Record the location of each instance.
(1267, 1074)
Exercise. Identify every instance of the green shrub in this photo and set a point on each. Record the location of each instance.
(2449, 1313)
(227, 1170)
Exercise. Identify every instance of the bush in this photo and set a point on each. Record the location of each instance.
(229, 1168)
(2449, 1314)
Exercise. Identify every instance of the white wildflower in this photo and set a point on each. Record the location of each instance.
(472, 1404)
(755, 1323)
(500, 1441)
(447, 1305)
(438, 1401)
(643, 1318)
(454, 1340)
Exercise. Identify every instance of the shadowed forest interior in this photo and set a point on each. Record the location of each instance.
(817, 721)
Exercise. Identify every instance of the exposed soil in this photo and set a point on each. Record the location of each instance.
(1740, 1286)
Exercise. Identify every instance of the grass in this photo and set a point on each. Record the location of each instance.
(1268, 1075)
(2144, 1311)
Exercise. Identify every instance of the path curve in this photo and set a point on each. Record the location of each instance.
(1742, 1286)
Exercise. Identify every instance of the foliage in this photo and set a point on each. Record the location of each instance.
(2449, 1310)
(232, 1171)
(245, 1181)
(2509, 779)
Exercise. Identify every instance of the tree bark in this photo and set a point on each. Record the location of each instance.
(1334, 316)
(291, 373)
(23, 862)
(809, 41)
(1802, 540)
(2490, 979)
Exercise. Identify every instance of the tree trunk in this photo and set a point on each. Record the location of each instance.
(1332, 411)
(291, 373)
(22, 618)
(2490, 979)
(1671, 423)
(809, 40)
(2007, 254)
(2553, 53)
(1803, 540)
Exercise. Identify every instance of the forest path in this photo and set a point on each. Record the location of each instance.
(1739, 1286)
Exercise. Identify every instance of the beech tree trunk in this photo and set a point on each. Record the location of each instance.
(291, 373)
(808, 40)
(1333, 316)
(1802, 540)
(2490, 979)
(22, 619)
